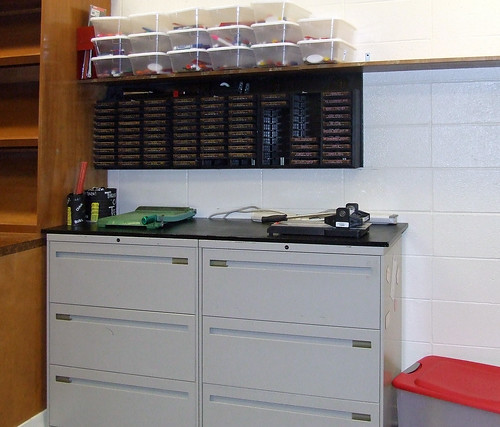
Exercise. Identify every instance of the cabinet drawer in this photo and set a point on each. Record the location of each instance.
(304, 359)
(153, 344)
(324, 289)
(83, 398)
(234, 407)
(152, 277)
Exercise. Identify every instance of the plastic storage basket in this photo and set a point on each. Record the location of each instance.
(443, 392)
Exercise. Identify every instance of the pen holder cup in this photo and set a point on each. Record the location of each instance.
(76, 209)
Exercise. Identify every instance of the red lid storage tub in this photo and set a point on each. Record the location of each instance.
(441, 391)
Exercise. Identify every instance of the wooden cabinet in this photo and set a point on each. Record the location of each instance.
(221, 333)
(22, 334)
(45, 131)
(44, 115)
(20, 26)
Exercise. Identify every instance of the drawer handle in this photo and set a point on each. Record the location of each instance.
(125, 387)
(110, 321)
(361, 344)
(361, 417)
(288, 407)
(180, 261)
(277, 336)
(218, 263)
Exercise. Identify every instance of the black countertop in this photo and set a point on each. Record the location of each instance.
(236, 230)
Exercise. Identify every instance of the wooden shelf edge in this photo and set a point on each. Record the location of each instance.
(431, 64)
(13, 11)
(21, 222)
(19, 142)
(362, 67)
(7, 60)
(16, 241)
(19, 228)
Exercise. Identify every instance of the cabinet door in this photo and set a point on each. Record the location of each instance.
(303, 359)
(324, 289)
(84, 398)
(135, 342)
(156, 278)
(234, 407)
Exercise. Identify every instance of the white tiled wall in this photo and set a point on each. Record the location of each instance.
(432, 155)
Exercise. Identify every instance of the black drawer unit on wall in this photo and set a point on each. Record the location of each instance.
(292, 119)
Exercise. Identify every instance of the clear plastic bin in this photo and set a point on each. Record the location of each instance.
(277, 32)
(444, 392)
(105, 26)
(326, 51)
(112, 66)
(190, 18)
(232, 15)
(112, 45)
(231, 57)
(232, 35)
(277, 54)
(190, 60)
(190, 38)
(150, 42)
(149, 22)
(278, 11)
(150, 63)
(331, 28)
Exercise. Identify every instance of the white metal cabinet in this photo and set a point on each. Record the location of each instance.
(122, 331)
(296, 334)
(186, 332)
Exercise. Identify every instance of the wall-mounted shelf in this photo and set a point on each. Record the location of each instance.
(124, 136)
(361, 67)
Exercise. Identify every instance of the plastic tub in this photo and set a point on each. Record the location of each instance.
(110, 25)
(229, 57)
(112, 66)
(232, 35)
(149, 22)
(331, 28)
(190, 38)
(445, 392)
(277, 11)
(150, 63)
(112, 45)
(150, 42)
(189, 18)
(190, 60)
(232, 15)
(326, 51)
(277, 32)
(277, 54)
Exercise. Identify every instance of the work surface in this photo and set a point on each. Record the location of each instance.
(237, 229)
